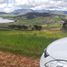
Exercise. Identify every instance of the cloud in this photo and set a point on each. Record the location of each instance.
(21, 2)
(54, 3)
(2, 1)
(36, 3)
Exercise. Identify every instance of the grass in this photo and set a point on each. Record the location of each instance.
(28, 43)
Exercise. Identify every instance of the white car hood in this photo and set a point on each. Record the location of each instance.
(58, 49)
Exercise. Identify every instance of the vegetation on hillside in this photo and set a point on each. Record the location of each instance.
(20, 39)
(48, 22)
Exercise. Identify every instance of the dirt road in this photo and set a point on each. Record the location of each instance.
(11, 60)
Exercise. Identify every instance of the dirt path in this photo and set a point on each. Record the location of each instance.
(11, 60)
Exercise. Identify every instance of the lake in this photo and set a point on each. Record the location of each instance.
(4, 20)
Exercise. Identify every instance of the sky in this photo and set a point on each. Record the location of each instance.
(36, 3)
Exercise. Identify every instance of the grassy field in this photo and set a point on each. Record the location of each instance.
(28, 43)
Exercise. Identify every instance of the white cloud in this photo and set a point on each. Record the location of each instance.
(21, 2)
(52, 5)
(8, 10)
(36, 3)
(2, 1)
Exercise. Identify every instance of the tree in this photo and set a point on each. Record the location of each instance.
(64, 27)
(36, 27)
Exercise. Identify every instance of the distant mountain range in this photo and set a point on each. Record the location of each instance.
(2, 13)
(65, 12)
(27, 11)
(21, 11)
(32, 15)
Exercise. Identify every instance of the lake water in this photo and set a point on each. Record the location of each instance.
(3, 20)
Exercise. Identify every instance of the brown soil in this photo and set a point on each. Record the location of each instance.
(12, 60)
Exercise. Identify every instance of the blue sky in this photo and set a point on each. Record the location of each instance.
(36, 3)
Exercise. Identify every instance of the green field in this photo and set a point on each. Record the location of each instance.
(28, 43)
